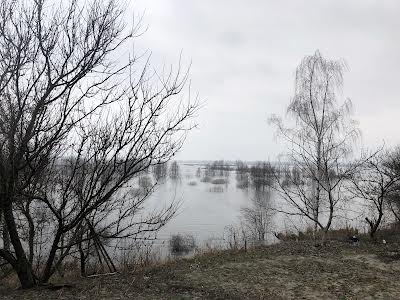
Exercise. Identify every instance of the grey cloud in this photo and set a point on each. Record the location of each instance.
(244, 55)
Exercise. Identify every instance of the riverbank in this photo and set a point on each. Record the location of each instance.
(289, 270)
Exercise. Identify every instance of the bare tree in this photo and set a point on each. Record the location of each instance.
(160, 172)
(198, 172)
(374, 182)
(392, 164)
(174, 171)
(262, 174)
(258, 216)
(242, 175)
(220, 168)
(319, 134)
(76, 128)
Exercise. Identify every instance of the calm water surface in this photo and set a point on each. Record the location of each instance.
(206, 213)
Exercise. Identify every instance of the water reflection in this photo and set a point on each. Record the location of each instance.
(223, 203)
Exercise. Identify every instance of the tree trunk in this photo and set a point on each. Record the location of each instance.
(324, 236)
(6, 237)
(31, 237)
(374, 225)
(317, 191)
(315, 232)
(82, 262)
(49, 270)
(82, 257)
(22, 267)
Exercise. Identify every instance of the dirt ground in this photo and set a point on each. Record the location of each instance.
(290, 270)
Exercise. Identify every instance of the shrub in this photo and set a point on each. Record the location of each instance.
(181, 244)
(242, 184)
(205, 179)
(219, 181)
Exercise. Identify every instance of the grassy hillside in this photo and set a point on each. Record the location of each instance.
(290, 270)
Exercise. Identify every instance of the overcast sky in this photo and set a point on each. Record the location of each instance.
(244, 55)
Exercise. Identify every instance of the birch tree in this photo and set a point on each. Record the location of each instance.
(319, 134)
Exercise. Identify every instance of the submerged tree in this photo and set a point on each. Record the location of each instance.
(242, 175)
(160, 172)
(76, 127)
(174, 171)
(320, 134)
(262, 174)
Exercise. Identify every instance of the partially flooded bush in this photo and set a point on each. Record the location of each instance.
(205, 179)
(242, 184)
(219, 181)
(181, 244)
(145, 184)
(192, 183)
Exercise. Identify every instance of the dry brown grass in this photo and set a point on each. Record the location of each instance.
(292, 270)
